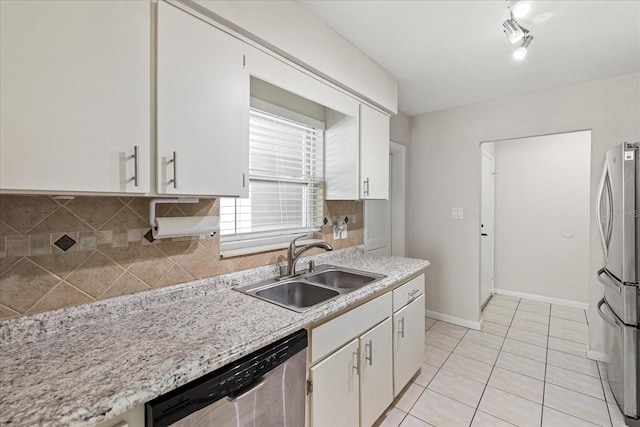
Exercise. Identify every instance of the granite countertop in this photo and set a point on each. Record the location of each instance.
(89, 363)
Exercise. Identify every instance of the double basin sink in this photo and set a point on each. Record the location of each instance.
(304, 291)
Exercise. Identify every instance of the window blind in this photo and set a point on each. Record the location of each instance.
(285, 181)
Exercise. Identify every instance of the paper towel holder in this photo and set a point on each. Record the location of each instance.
(154, 222)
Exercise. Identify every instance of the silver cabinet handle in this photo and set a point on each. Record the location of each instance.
(612, 282)
(366, 187)
(606, 318)
(401, 331)
(174, 160)
(370, 357)
(357, 365)
(136, 165)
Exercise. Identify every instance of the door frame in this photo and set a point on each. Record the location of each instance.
(397, 197)
(492, 235)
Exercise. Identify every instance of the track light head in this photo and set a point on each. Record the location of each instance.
(521, 52)
(513, 30)
(519, 8)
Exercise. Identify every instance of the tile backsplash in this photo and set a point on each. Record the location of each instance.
(60, 252)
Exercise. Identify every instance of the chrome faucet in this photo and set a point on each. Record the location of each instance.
(293, 255)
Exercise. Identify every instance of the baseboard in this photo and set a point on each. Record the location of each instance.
(453, 319)
(596, 355)
(534, 297)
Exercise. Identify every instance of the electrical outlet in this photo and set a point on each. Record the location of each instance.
(457, 213)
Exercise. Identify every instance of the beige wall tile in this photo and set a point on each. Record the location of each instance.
(62, 295)
(151, 266)
(24, 212)
(95, 211)
(6, 312)
(125, 219)
(24, 284)
(103, 228)
(62, 264)
(95, 275)
(126, 284)
(175, 275)
(17, 245)
(62, 221)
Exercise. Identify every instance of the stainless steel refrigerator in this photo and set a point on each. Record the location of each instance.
(619, 227)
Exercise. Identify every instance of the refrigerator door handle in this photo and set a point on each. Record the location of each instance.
(601, 189)
(606, 318)
(612, 282)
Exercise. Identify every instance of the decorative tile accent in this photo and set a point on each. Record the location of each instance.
(65, 242)
(149, 236)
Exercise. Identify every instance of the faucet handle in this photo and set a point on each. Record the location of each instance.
(312, 266)
(292, 245)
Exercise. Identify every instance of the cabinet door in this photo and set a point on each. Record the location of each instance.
(376, 374)
(203, 108)
(75, 81)
(335, 395)
(374, 154)
(408, 337)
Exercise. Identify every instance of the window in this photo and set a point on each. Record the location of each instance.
(286, 177)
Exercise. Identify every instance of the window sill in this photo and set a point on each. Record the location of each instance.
(231, 253)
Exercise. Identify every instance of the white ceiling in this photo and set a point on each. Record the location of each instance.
(451, 53)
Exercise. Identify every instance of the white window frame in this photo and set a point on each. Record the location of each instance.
(244, 243)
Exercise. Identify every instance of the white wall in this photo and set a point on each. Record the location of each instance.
(289, 29)
(399, 128)
(542, 215)
(444, 172)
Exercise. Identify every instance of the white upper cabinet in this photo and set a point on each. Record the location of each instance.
(75, 103)
(374, 154)
(203, 108)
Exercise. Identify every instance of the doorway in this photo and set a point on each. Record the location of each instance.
(487, 224)
(384, 220)
(534, 218)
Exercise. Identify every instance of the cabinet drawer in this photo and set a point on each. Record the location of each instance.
(337, 332)
(408, 292)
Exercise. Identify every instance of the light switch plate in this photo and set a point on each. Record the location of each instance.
(457, 213)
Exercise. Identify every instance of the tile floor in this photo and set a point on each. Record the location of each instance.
(527, 367)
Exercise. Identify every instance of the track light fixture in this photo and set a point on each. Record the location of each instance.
(519, 8)
(521, 52)
(514, 31)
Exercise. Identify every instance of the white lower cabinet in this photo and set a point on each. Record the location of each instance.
(376, 375)
(363, 358)
(408, 348)
(336, 391)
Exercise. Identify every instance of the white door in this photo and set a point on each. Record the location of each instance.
(374, 151)
(203, 107)
(75, 104)
(376, 374)
(336, 390)
(377, 225)
(408, 340)
(486, 229)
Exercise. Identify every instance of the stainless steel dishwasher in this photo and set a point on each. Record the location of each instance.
(263, 389)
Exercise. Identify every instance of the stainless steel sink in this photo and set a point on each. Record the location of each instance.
(309, 289)
(297, 294)
(341, 279)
